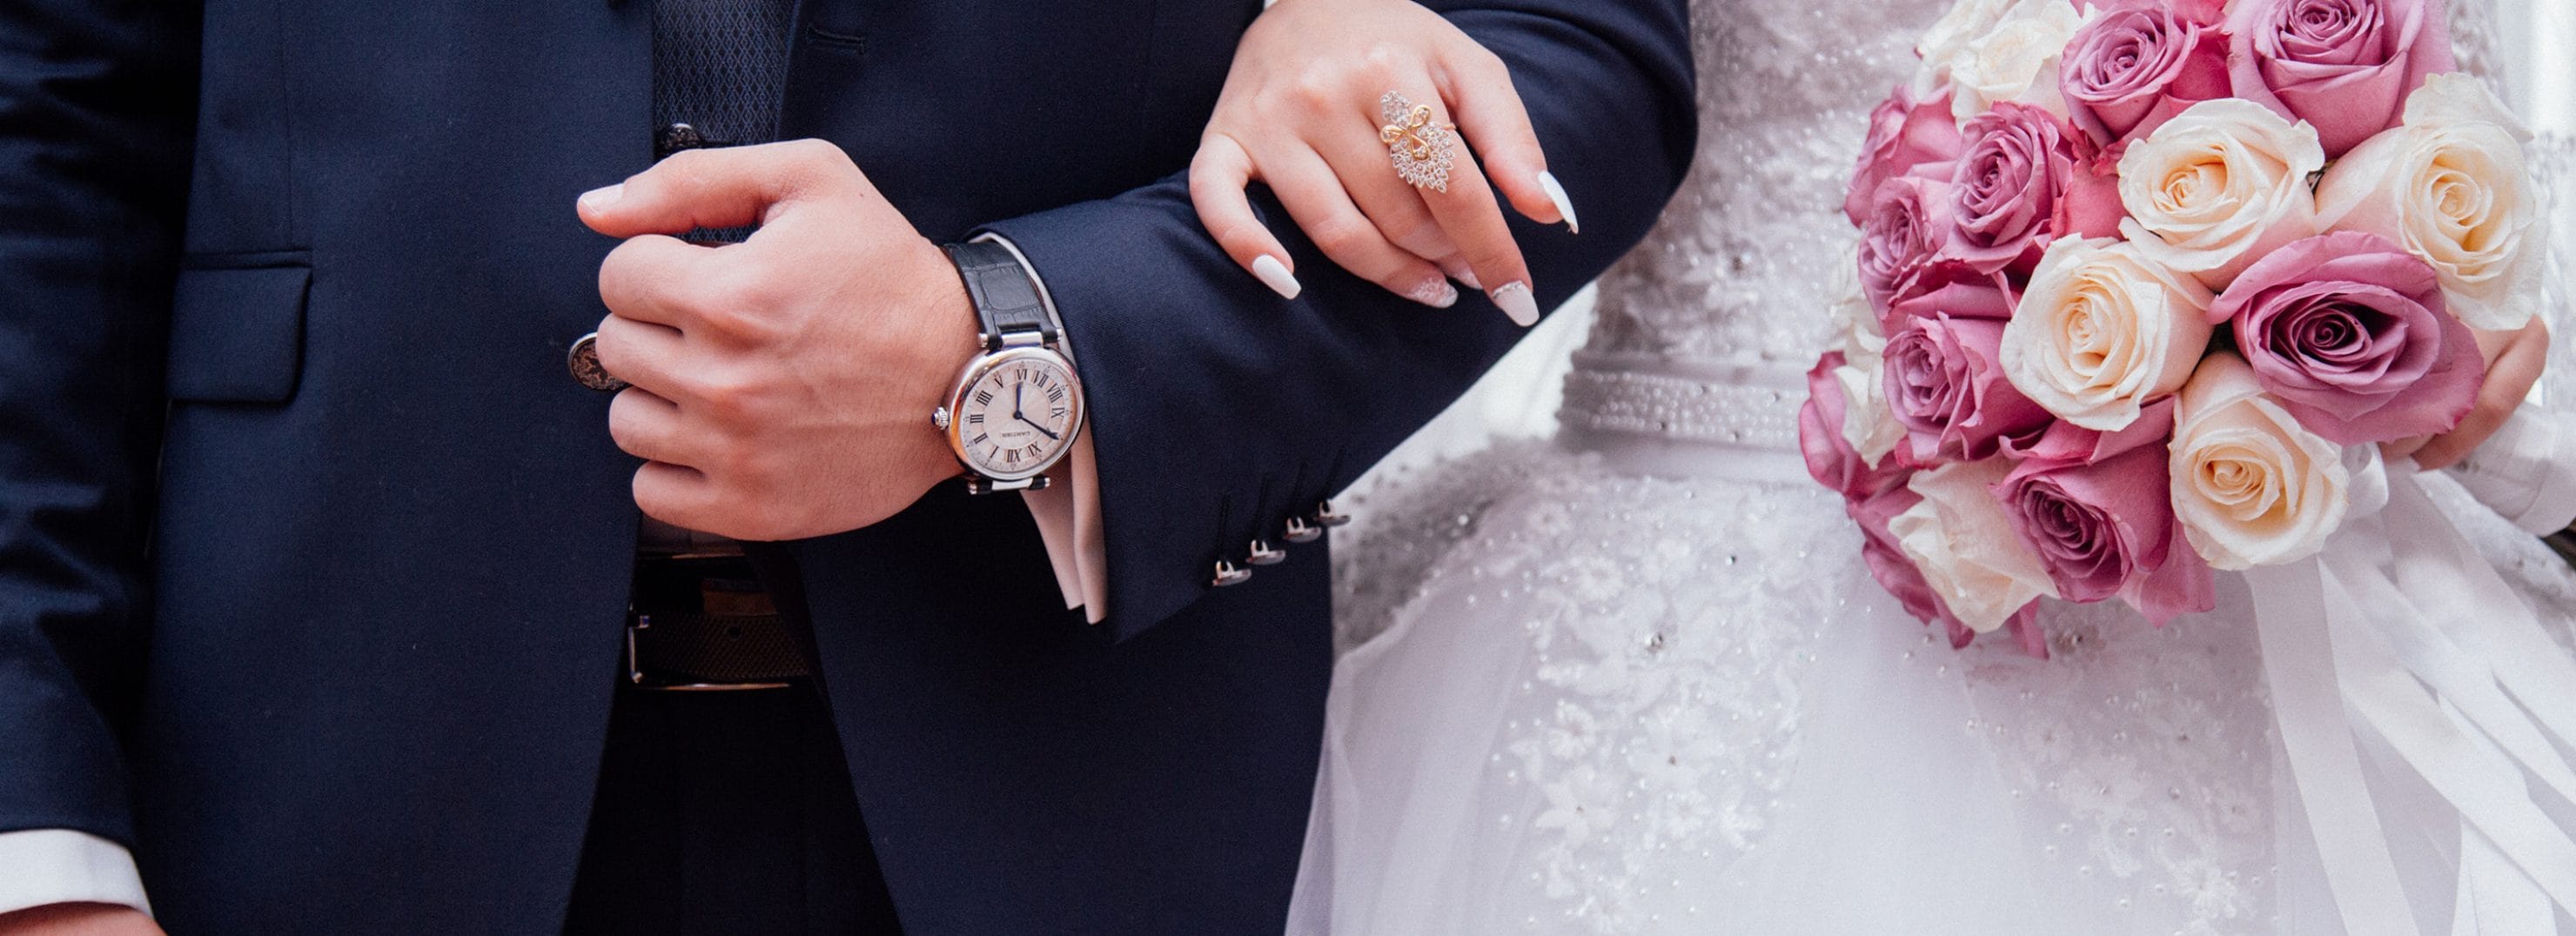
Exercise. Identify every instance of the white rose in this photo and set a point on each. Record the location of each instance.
(1950, 35)
(2452, 186)
(1965, 546)
(1869, 423)
(2250, 485)
(2016, 60)
(2102, 331)
(2219, 186)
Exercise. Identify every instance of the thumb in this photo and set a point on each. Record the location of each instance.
(716, 188)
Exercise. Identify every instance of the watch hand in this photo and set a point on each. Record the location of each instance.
(1018, 392)
(1037, 427)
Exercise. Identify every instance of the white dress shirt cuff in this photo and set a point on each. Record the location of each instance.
(1067, 510)
(51, 866)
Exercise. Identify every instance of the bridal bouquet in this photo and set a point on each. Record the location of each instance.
(2140, 286)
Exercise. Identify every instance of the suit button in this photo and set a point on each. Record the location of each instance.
(583, 361)
(1325, 516)
(1300, 531)
(1262, 553)
(1228, 573)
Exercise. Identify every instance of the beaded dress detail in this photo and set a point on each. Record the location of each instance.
(1637, 681)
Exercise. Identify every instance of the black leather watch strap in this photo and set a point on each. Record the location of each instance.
(1006, 299)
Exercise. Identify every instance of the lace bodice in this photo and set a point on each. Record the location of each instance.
(1785, 90)
(1739, 269)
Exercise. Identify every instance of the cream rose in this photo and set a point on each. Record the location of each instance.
(1950, 35)
(2452, 187)
(1965, 545)
(2016, 60)
(2250, 485)
(1856, 326)
(2102, 331)
(1869, 424)
(2219, 186)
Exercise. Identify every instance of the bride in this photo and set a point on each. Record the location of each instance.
(1636, 679)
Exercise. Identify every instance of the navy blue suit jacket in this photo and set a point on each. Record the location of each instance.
(313, 559)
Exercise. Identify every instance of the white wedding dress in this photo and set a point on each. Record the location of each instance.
(1637, 680)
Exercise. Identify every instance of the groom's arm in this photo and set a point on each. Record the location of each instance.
(97, 104)
(1218, 410)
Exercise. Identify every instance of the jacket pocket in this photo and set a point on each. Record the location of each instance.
(237, 328)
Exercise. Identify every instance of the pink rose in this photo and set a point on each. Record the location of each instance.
(2094, 507)
(1831, 459)
(2020, 184)
(1905, 132)
(2351, 333)
(1902, 239)
(1945, 379)
(2345, 66)
(2138, 65)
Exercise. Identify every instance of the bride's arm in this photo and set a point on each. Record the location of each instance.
(1301, 112)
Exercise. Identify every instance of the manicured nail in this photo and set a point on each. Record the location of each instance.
(1436, 293)
(599, 198)
(1517, 302)
(1274, 274)
(1460, 272)
(1564, 205)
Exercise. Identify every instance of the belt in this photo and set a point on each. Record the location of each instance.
(705, 624)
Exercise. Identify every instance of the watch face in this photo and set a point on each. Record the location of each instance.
(1015, 413)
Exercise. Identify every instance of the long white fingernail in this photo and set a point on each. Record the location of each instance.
(601, 197)
(1462, 274)
(1274, 274)
(1517, 302)
(1564, 205)
(1436, 293)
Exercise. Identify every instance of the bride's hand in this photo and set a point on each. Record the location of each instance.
(2514, 362)
(1300, 112)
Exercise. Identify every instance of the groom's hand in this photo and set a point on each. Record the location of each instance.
(783, 386)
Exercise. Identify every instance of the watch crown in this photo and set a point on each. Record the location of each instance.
(939, 418)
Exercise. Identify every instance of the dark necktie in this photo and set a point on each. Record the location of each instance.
(720, 66)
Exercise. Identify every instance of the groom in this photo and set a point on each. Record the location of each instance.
(323, 603)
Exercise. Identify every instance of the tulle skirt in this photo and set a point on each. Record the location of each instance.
(1585, 699)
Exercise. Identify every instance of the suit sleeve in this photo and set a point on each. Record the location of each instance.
(97, 101)
(1219, 410)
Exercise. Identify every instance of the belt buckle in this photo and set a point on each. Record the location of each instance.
(637, 622)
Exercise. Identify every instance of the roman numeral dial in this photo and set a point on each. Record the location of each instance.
(1015, 413)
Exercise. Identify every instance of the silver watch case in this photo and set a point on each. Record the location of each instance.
(954, 430)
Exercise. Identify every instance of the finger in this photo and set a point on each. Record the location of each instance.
(1472, 217)
(1490, 114)
(1314, 196)
(649, 427)
(652, 278)
(1358, 156)
(2516, 368)
(717, 188)
(642, 354)
(680, 496)
(1359, 161)
(1217, 177)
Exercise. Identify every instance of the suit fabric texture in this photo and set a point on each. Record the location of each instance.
(313, 561)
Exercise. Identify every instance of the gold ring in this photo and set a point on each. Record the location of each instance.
(1419, 146)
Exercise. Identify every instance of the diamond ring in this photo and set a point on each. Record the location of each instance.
(1419, 145)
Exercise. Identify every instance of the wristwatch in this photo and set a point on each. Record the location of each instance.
(1018, 404)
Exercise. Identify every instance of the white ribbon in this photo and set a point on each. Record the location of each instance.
(2398, 637)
